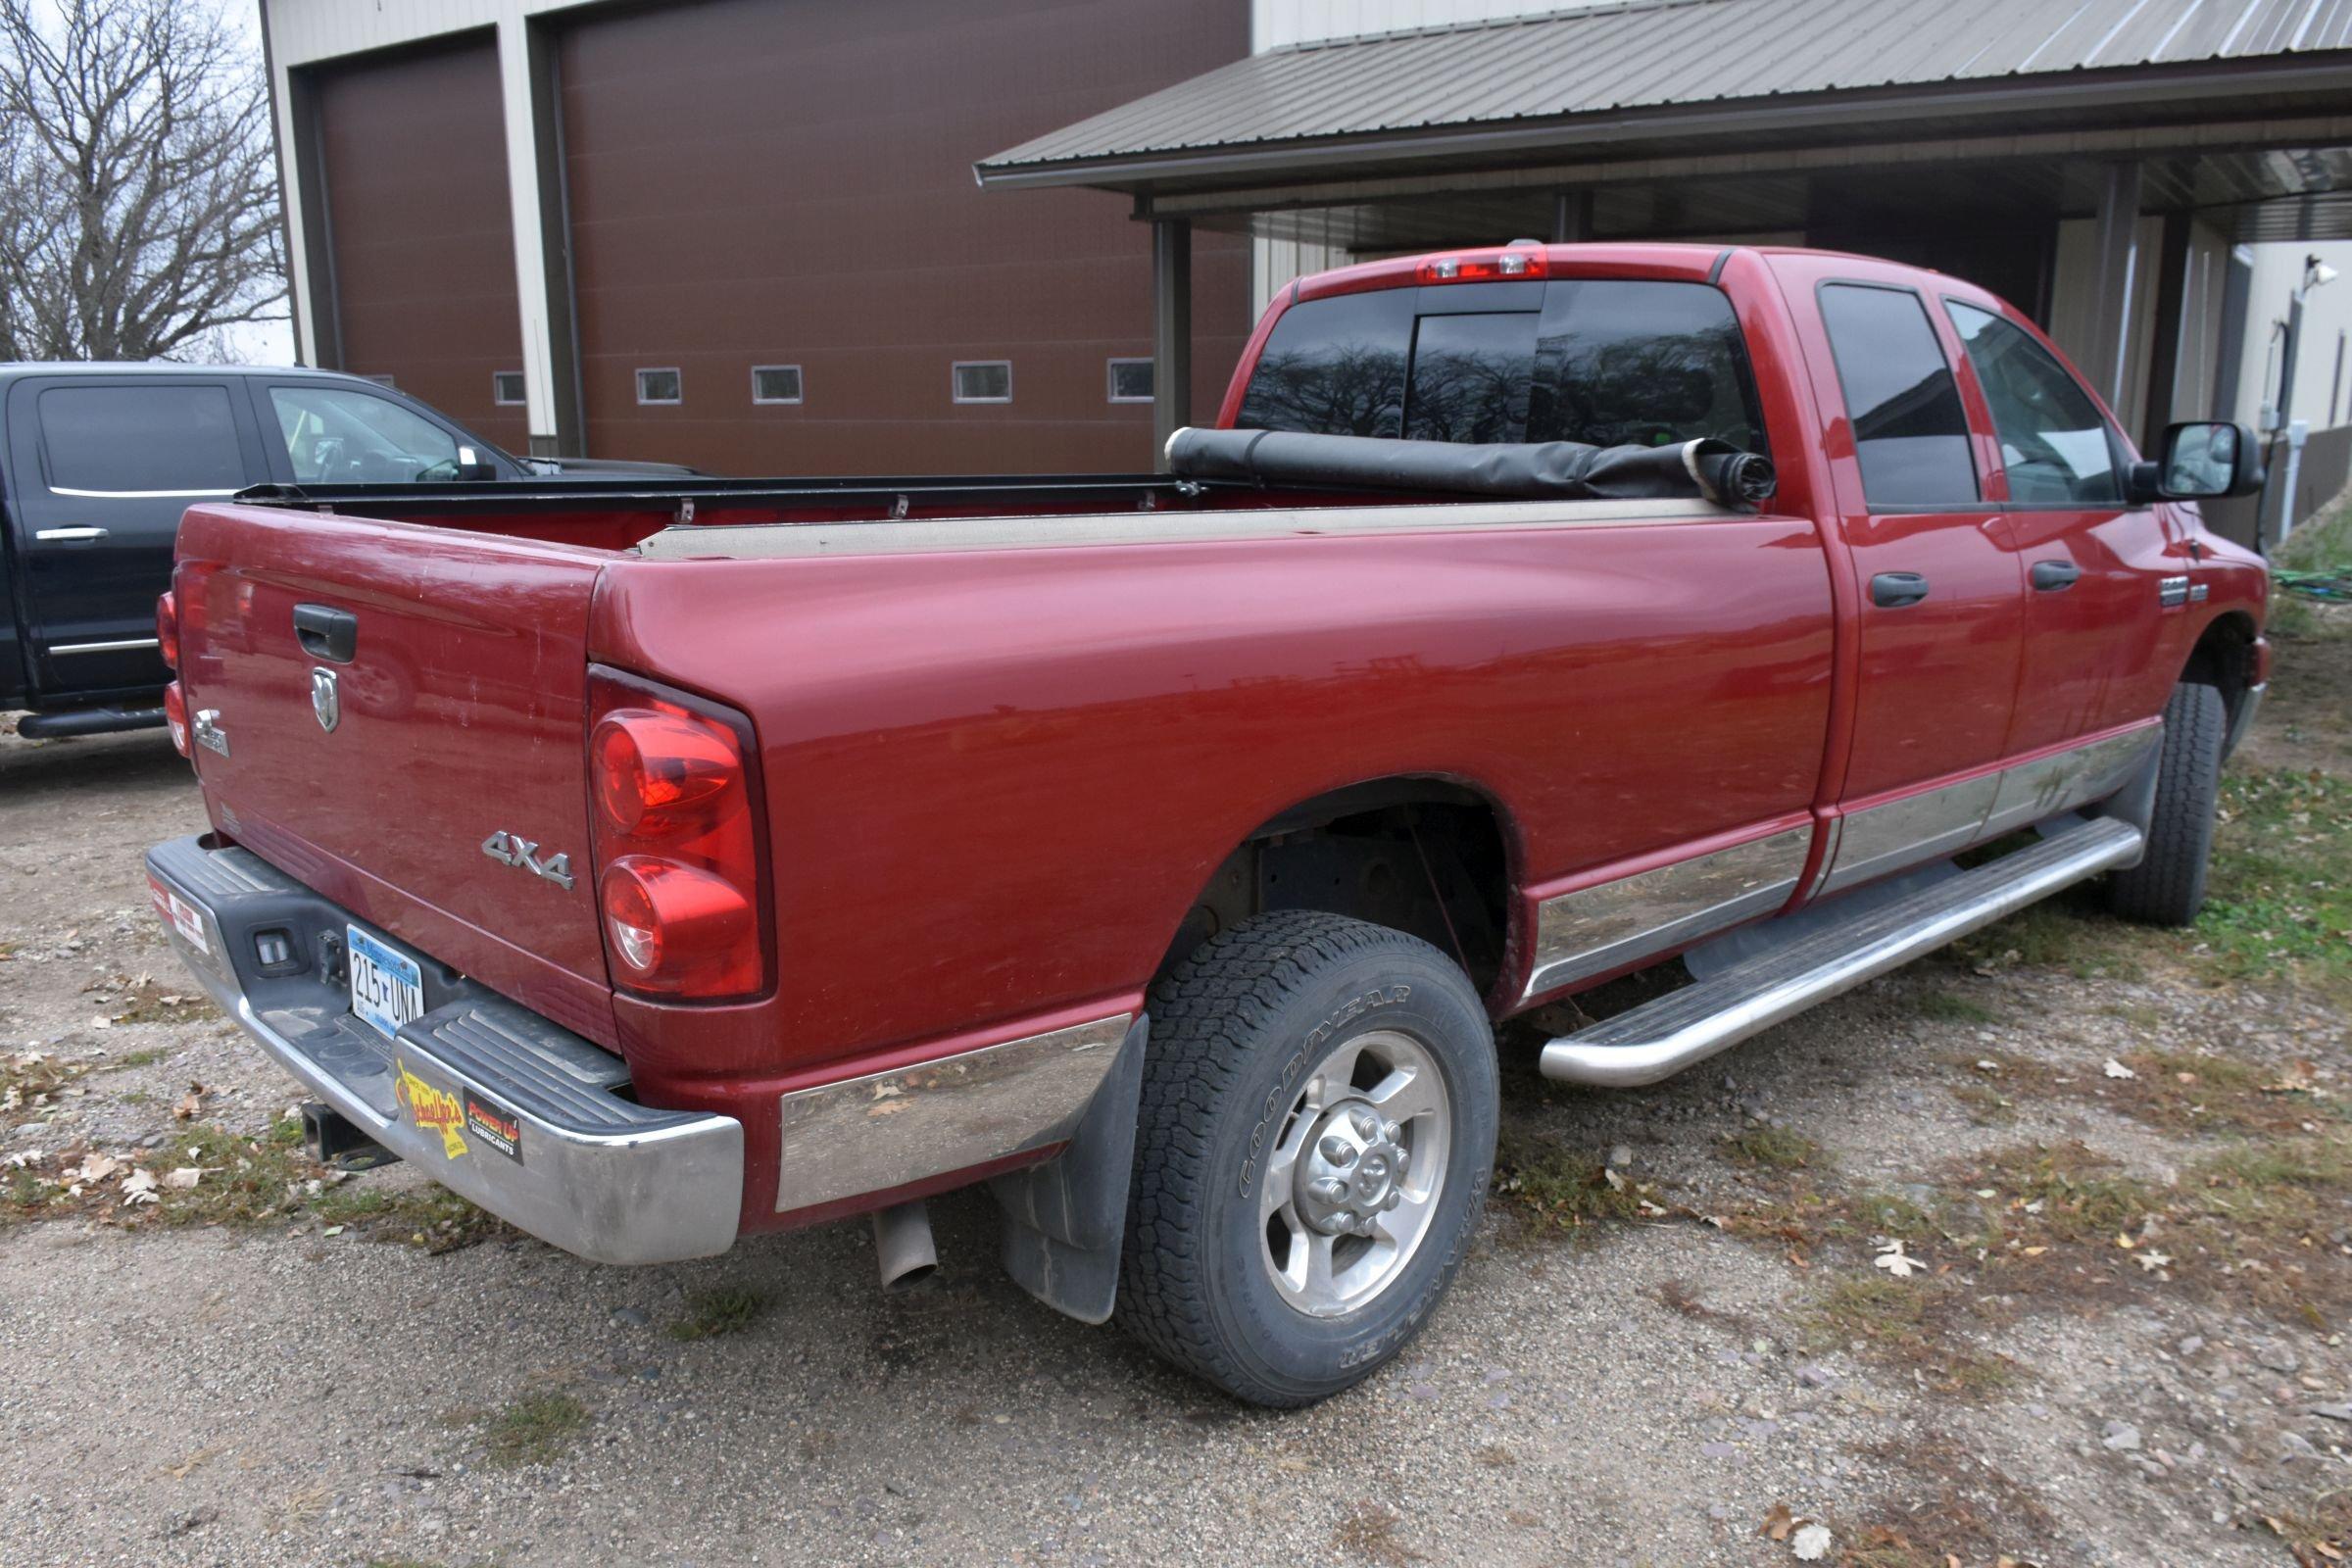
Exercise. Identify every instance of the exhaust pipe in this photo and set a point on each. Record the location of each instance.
(902, 1246)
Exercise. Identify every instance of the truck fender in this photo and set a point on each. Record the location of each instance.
(1064, 1219)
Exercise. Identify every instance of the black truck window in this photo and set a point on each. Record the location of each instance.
(1609, 361)
(1910, 433)
(140, 440)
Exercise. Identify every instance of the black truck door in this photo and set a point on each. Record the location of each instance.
(100, 468)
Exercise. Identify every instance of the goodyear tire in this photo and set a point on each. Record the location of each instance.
(2168, 886)
(1312, 1152)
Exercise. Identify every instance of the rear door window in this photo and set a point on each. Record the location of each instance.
(162, 441)
(2054, 445)
(1910, 431)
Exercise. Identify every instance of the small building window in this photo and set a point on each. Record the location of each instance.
(1131, 381)
(984, 381)
(506, 388)
(660, 386)
(775, 384)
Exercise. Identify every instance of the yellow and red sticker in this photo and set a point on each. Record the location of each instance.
(430, 1109)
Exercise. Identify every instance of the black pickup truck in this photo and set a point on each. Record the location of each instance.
(97, 462)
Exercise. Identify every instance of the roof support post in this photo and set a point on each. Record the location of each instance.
(2118, 264)
(1572, 217)
(2172, 325)
(526, 64)
(1171, 333)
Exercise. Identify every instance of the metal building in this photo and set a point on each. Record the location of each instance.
(738, 233)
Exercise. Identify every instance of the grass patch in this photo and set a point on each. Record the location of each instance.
(2068, 1193)
(1772, 1149)
(433, 1218)
(1558, 1187)
(244, 1179)
(2059, 933)
(1368, 1532)
(1906, 1323)
(139, 1058)
(2282, 884)
(533, 1430)
(714, 1313)
(1949, 1007)
(1881, 1213)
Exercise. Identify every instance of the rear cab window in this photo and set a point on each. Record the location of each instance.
(1607, 361)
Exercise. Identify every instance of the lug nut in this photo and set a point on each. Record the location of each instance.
(1336, 1150)
(1367, 1125)
(1393, 1199)
(1329, 1190)
(1391, 1131)
(1404, 1158)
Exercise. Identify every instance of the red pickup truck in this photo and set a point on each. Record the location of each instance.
(659, 864)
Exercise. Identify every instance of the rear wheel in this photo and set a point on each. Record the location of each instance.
(2168, 886)
(1315, 1139)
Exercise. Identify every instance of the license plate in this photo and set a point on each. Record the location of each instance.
(387, 987)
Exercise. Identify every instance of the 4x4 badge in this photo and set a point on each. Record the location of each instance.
(511, 849)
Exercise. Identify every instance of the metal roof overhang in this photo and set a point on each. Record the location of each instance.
(2264, 143)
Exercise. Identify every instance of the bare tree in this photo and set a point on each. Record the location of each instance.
(138, 188)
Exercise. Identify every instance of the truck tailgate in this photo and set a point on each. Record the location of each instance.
(375, 769)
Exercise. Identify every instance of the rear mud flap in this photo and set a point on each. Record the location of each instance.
(1064, 1219)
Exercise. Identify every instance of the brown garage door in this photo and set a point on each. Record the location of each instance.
(761, 184)
(415, 166)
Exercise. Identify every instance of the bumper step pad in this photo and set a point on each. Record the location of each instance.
(1660, 1038)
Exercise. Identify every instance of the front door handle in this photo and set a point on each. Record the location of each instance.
(1891, 590)
(2055, 576)
(69, 536)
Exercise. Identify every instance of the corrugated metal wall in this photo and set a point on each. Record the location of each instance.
(424, 263)
(753, 183)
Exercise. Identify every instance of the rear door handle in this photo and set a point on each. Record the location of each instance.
(1891, 590)
(326, 632)
(2055, 576)
(69, 536)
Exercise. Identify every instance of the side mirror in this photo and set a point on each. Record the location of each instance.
(2206, 460)
(472, 465)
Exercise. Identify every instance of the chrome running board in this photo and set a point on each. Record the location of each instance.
(1661, 1038)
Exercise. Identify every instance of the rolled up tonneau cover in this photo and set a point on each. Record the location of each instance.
(1709, 470)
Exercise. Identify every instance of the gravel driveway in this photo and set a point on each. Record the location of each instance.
(1887, 1270)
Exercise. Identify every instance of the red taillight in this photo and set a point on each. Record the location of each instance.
(677, 930)
(1487, 267)
(166, 629)
(677, 839)
(175, 714)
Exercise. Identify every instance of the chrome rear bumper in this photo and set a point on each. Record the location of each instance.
(487, 1098)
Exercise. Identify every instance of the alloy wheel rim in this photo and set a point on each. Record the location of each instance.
(1351, 1187)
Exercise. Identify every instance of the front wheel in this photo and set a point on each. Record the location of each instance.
(1314, 1149)
(2168, 886)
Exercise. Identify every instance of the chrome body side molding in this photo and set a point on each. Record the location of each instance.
(1612, 924)
(1884, 839)
(887, 1129)
(1598, 928)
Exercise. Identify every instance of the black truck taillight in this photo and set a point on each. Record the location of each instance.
(673, 795)
(166, 629)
